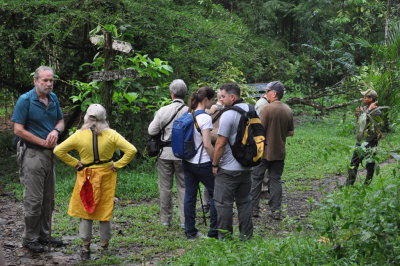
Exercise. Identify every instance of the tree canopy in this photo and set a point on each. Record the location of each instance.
(311, 46)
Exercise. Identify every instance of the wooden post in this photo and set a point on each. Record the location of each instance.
(108, 87)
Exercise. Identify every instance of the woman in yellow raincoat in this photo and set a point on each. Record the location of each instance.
(101, 174)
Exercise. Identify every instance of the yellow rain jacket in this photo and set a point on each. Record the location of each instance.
(103, 179)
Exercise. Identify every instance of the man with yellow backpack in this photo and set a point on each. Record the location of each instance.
(237, 149)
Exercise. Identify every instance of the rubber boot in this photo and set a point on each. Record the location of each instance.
(351, 177)
(370, 174)
(85, 252)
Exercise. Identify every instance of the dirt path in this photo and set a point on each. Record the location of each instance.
(11, 223)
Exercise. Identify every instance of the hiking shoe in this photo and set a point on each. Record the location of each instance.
(212, 235)
(197, 235)
(35, 247)
(53, 241)
(275, 216)
(85, 254)
(104, 246)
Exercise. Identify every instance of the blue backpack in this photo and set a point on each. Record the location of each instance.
(182, 141)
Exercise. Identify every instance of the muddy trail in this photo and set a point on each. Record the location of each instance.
(11, 224)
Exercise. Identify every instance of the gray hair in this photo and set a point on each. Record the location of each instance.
(40, 69)
(178, 88)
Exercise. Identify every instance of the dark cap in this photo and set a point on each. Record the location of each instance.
(276, 86)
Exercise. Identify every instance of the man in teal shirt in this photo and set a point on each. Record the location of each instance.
(38, 120)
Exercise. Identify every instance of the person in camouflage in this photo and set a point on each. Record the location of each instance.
(367, 136)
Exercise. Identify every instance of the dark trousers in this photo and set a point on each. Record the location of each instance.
(355, 163)
(194, 174)
(233, 186)
(274, 170)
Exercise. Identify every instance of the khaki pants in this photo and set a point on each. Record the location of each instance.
(166, 170)
(38, 177)
(85, 230)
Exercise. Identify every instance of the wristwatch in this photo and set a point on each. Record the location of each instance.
(56, 129)
(215, 165)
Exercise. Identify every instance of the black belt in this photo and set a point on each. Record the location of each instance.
(35, 146)
(94, 163)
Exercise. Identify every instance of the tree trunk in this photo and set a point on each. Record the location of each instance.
(389, 4)
(320, 107)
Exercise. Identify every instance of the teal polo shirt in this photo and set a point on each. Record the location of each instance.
(36, 117)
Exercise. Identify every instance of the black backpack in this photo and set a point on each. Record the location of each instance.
(155, 144)
(248, 148)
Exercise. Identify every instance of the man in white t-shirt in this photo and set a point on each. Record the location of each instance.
(232, 180)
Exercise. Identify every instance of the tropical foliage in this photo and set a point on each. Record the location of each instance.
(317, 48)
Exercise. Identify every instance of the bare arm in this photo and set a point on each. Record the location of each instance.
(207, 142)
(49, 142)
(219, 150)
(21, 132)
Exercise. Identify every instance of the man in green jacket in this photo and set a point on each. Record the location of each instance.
(367, 136)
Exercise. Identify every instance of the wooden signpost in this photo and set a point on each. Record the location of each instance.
(109, 75)
(121, 46)
(113, 75)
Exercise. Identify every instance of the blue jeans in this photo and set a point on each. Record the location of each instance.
(194, 174)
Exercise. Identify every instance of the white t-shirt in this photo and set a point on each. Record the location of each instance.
(228, 126)
(205, 122)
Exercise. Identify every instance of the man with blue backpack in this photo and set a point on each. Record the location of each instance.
(232, 178)
(191, 141)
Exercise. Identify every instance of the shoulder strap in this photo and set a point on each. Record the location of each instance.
(95, 147)
(169, 122)
(221, 111)
(194, 114)
(172, 118)
(95, 153)
(235, 108)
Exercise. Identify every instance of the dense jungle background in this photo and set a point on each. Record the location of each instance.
(324, 51)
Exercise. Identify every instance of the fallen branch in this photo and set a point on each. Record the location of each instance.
(308, 102)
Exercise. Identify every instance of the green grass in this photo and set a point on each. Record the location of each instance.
(307, 149)
(355, 225)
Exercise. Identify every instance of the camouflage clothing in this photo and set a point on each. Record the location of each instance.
(368, 125)
(368, 134)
